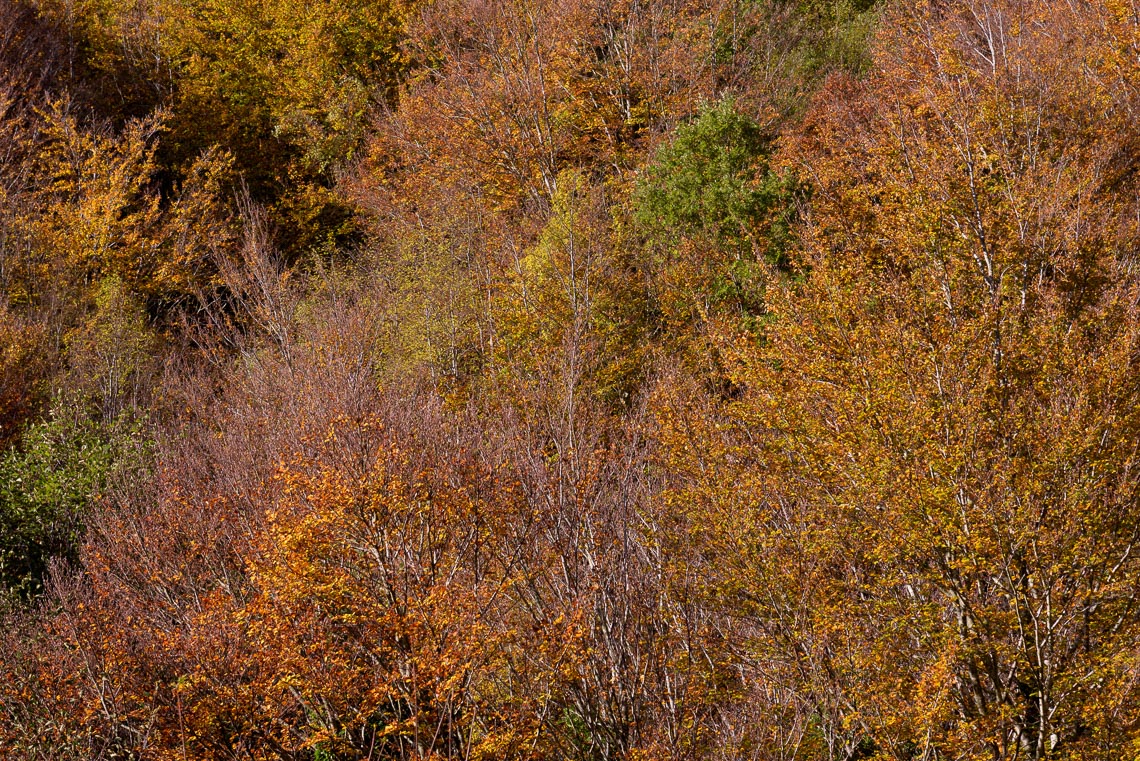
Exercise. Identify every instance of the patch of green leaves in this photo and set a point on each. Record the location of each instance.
(48, 484)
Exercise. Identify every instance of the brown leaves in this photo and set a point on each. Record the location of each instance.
(923, 413)
(22, 364)
(419, 508)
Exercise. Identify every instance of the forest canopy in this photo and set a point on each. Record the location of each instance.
(592, 380)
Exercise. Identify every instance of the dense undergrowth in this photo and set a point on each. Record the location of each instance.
(613, 379)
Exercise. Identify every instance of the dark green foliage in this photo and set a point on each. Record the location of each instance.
(834, 35)
(793, 45)
(711, 178)
(711, 200)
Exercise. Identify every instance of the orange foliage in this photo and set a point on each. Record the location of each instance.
(930, 538)
(835, 462)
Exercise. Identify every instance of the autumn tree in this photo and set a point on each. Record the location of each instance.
(929, 542)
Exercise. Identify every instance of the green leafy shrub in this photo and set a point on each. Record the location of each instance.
(48, 484)
(710, 200)
(711, 178)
